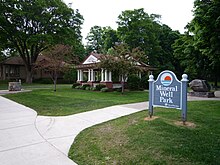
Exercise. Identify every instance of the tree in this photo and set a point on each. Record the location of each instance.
(123, 61)
(100, 39)
(95, 41)
(54, 61)
(191, 60)
(166, 38)
(110, 39)
(206, 29)
(31, 26)
(139, 29)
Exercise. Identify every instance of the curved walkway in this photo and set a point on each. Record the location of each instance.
(28, 139)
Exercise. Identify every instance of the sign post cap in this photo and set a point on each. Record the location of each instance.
(151, 78)
(184, 77)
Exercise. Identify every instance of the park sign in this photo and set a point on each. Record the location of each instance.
(167, 91)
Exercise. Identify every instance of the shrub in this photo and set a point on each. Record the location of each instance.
(84, 86)
(70, 76)
(93, 88)
(43, 81)
(105, 90)
(75, 85)
(100, 86)
(118, 89)
(88, 88)
(78, 87)
(144, 82)
(134, 82)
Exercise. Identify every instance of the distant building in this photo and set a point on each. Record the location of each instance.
(13, 68)
(88, 72)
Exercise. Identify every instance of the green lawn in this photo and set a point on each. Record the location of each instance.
(131, 140)
(68, 101)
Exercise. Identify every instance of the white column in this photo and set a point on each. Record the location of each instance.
(102, 75)
(139, 74)
(92, 75)
(89, 75)
(126, 79)
(106, 75)
(110, 76)
(78, 75)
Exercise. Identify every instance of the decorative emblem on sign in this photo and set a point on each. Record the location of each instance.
(166, 79)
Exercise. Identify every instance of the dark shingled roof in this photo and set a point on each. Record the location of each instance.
(14, 61)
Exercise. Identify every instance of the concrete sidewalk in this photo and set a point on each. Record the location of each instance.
(28, 139)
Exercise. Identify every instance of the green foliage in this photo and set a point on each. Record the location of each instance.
(133, 82)
(191, 60)
(123, 61)
(75, 85)
(84, 86)
(31, 26)
(105, 89)
(95, 42)
(144, 84)
(138, 29)
(166, 59)
(100, 39)
(79, 87)
(205, 27)
(70, 75)
(43, 81)
(99, 87)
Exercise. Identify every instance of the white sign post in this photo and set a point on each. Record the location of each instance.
(167, 91)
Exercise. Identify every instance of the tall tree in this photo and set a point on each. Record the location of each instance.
(192, 61)
(100, 39)
(110, 39)
(139, 29)
(30, 26)
(167, 60)
(206, 29)
(94, 38)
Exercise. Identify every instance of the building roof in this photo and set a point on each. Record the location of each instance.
(94, 58)
(13, 61)
(19, 61)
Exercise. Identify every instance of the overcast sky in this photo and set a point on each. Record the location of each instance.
(175, 13)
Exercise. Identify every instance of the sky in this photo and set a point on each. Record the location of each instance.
(175, 13)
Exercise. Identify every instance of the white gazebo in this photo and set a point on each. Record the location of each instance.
(88, 72)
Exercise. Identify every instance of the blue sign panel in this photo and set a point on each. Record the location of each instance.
(167, 90)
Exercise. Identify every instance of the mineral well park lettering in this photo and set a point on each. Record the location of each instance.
(166, 93)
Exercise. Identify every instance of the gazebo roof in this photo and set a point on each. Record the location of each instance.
(91, 62)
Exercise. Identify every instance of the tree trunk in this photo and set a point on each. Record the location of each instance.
(55, 83)
(122, 87)
(29, 76)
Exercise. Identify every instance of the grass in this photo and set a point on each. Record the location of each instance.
(67, 101)
(132, 140)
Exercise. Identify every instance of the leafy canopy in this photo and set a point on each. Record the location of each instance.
(30, 26)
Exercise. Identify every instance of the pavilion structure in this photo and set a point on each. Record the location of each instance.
(88, 72)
